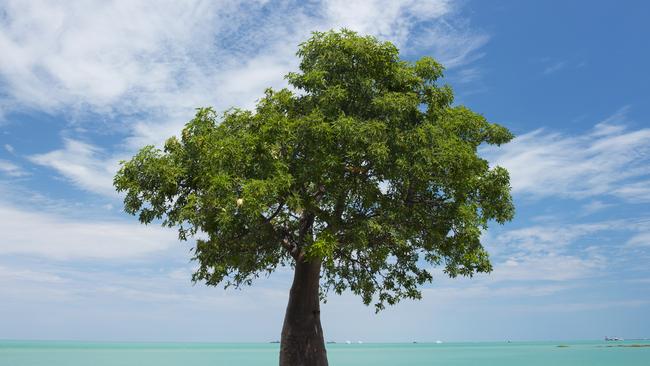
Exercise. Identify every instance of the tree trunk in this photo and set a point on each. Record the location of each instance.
(302, 335)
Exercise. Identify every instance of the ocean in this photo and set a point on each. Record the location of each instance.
(583, 353)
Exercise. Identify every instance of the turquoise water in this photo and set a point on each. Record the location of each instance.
(54, 353)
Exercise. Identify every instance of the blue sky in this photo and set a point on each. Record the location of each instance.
(85, 84)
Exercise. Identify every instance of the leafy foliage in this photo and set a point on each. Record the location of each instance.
(365, 165)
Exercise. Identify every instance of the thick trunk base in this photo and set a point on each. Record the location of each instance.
(302, 342)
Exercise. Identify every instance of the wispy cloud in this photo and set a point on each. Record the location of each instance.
(387, 19)
(573, 307)
(454, 43)
(548, 267)
(635, 192)
(545, 259)
(426, 26)
(26, 275)
(594, 206)
(611, 159)
(52, 236)
(77, 55)
(555, 236)
(555, 67)
(640, 240)
(469, 75)
(84, 165)
(12, 170)
(546, 253)
(562, 251)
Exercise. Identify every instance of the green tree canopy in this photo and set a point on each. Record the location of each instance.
(363, 164)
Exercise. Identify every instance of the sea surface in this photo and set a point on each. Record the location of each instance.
(583, 353)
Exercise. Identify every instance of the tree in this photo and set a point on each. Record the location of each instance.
(361, 178)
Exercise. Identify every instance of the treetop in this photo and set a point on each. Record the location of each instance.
(364, 164)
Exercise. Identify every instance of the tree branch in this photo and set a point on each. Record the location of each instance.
(279, 209)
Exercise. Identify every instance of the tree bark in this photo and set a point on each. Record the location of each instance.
(302, 341)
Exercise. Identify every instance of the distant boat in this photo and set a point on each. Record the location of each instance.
(614, 339)
(331, 342)
(438, 342)
(274, 342)
(415, 342)
(348, 342)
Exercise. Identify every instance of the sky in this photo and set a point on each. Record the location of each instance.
(84, 84)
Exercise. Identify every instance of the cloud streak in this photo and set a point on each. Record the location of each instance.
(610, 160)
(555, 67)
(83, 165)
(564, 251)
(53, 237)
(12, 170)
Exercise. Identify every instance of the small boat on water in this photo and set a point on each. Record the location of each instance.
(610, 339)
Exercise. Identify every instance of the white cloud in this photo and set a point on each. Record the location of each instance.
(555, 67)
(566, 307)
(165, 58)
(138, 284)
(453, 43)
(640, 240)
(634, 192)
(545, 259)
(459, 290)
(594, 206)
(55, 237)
(561, 251)
(149, 70)
(9, 274)
(95, 53)
(83, 164)
(11, 169)
(552, 237)
(9, 148)
(469, 75)
(609, 160)
(392, 20)
(548, 267)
